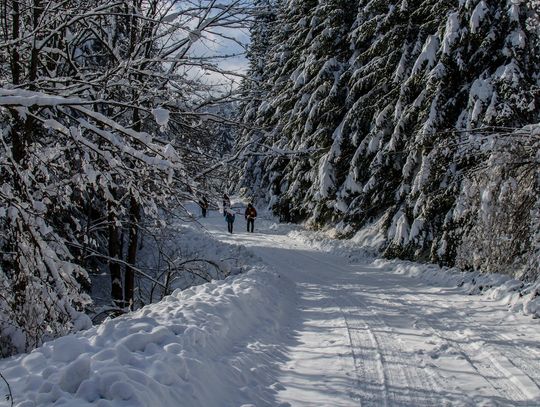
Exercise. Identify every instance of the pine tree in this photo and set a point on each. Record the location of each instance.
(254, 93)
(304, 104)
(420, 90)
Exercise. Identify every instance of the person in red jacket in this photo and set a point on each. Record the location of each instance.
(250, 215)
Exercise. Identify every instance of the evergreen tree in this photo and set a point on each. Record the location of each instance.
(304, 101)
(254, 92)
(398, 109)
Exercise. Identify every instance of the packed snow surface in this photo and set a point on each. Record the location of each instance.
(314, 323)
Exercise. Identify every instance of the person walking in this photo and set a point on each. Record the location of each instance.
(226, 204)
(229, 218)
(250, 215)
(203, 203)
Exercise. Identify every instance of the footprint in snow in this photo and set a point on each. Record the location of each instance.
(277, 386)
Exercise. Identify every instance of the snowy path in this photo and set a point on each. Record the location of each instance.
(316, 331)
(365, 336)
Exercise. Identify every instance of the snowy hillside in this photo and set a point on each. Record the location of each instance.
(417, 117)
(314, 323)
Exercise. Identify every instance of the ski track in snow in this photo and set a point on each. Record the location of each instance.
(407, 345)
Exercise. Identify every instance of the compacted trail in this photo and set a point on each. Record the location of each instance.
(363, 335)
(302, 322)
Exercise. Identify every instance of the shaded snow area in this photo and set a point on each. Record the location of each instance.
(314, 322)
(186, 247)
(211, 345)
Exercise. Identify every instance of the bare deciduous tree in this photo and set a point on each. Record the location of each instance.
(98, 110)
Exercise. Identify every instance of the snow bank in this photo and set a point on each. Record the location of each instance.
(189, 349)
(353, 249)
(519, 296)
(366, 243)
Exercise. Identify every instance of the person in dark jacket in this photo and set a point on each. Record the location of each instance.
(250, 215)
(226, 204)
(229, 218)
(203, 203)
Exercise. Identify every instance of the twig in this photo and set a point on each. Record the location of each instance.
(9, 396)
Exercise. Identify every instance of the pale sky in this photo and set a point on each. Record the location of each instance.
(226, 48)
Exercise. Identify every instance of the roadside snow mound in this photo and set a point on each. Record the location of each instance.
(326, 242)
(519, 296)
(188, 349)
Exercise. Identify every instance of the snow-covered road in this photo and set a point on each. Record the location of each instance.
(318, 329)
(365, 335)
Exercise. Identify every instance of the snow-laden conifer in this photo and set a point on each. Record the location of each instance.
(428, 94)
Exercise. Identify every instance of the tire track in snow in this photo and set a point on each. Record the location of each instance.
(416, 386)
(368, 361)
(497, 369)
(370, 381)
(490, 372)
(521, 359)
(517, 376)
(398, 379)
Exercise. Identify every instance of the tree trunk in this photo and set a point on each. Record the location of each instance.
(115, 253)
(134, 217)
(18, 147)
(15, 57)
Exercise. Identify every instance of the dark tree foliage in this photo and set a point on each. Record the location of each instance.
(410, 111)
